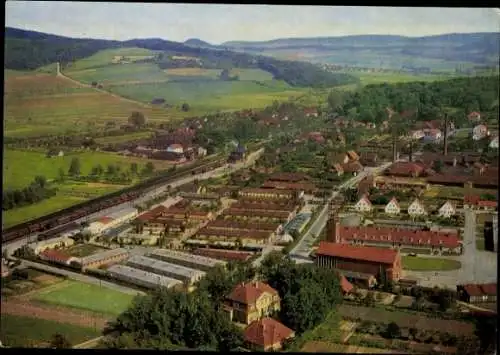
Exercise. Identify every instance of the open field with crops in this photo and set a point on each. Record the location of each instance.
(23, 331)
(43, 104)
(86, 297)
(417, 263)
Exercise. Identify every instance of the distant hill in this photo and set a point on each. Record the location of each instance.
(438, 51)
(195, 42)
(27, 50)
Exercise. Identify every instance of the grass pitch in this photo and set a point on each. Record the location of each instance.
(417, 263)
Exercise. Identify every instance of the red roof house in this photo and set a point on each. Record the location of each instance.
(248, 293)
(267, 334)
(406, 169)
(345, 285)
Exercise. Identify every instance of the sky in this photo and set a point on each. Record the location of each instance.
(216, 23)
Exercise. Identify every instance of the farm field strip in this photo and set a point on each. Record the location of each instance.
(404, 319)
(24, 331)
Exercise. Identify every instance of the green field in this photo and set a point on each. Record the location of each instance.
(87, 297)
(20, 167)
(83, 250)
(417, 263)
(211, 95)
(19, 331)
(123, 138)
(106, 57)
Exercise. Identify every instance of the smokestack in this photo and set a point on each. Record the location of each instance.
(445, 135)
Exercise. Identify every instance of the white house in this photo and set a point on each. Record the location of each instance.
(176, 148)
(447, 210)
(363, 205)
(416, 209)
(479, 132)
(494, 143)
(392, 207)
(202, 152)
(417, 134)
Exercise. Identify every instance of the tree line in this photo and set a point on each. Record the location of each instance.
(37, 191)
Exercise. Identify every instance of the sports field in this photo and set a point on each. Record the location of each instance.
(417, 263)
(21, 331)
(86, 297)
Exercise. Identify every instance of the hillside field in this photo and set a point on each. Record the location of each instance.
(43, 104)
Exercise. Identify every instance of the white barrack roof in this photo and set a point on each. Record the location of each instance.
(188, 258)
(162, 266)
(102, 255)
(141, 277)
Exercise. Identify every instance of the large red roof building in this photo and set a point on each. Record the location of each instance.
(360, 264)
(267, 334)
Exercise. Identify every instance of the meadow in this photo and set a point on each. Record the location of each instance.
(42, 104)
(87, 297)
(417, 263)
(19, 331)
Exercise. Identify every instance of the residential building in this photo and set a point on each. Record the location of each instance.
(267, 194)
(233, 237)
(474, 201)
(359, 264)
(369, 159)
(112, 220)
(405, 169)
(435, 242)
(353, 156)
(107, 257)
(175, 148)
(141, 278)
(252, 301)
(494, 143)
(432, 135)
(416, 209)
(417, 134)
(478, 293)
(238, 154)
(474, 116)
(301, 188)
(352, 167)
(182, 273)
(290, 177)
(185, 259)
(479, 132)
(447, 210)
(57, 242)
(245, 225)
(258, 215)
(311, 111)
(395, 183)
(392, 207)
(56, 256)
(267, 334)
(255, 205)
(221, 254)
(363, 205)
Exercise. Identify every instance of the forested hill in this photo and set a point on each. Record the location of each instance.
(26, 50)
(458, 97)
(366, 50)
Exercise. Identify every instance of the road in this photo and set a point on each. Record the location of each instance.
(478, 266)
(251, 159)
(81, 277)
(89, 344)
(304, 246)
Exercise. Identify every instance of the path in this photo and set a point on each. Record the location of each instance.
(76, 82)
(89, 344)
(62, 315)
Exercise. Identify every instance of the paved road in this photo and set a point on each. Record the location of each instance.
(81, 277)
(251, 159)
(304, 246)
(478, 266)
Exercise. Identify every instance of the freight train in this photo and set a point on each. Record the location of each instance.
(84, 209)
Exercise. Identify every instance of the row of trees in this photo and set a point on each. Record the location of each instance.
(111, 171)
(37, 191)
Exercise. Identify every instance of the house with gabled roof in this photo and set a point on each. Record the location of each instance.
(251, 301)
(416, 208)
(447, 210)
(363, 205)
(474, 116)
(267, 334)
(392, 207)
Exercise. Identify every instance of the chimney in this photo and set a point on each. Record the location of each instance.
(445, 152)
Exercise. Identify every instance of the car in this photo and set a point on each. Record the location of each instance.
(412, 254)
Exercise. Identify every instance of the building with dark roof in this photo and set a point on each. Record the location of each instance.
(478, 293)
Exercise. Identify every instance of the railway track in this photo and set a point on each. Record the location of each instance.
(73, 213)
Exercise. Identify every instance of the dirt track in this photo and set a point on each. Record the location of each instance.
(59, 314)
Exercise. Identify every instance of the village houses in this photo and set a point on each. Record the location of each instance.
(363, 205)
(447, 210)
(416, 209)
(474, 116)
(392, 207)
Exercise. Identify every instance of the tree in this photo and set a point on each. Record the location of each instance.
(393, 331)
(133, 168)
(137, 119)
(438, 166)
(185, 107)
(41, 181)
(111, 170)
(74, 168)
(59, 341)
(150, 167)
